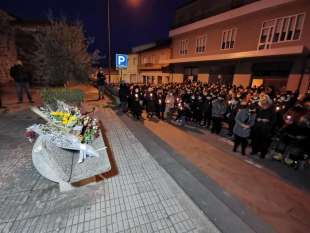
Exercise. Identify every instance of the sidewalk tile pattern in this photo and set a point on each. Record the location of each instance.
(142, 197)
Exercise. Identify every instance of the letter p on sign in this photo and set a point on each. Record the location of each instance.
(121, 61)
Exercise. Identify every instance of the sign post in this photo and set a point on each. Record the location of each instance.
(121, 63)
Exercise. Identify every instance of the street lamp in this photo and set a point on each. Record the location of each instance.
(109, 42)
(133, 3)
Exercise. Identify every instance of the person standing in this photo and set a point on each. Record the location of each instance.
(136, 99)
(218, 111)
(262, 130)
(123, 96)
(207, 111)
(21, 78)
(160, 105)
(169, 101)
(244, 121)
(101, 83)
(150, 103)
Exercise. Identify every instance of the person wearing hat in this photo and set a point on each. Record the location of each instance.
(264, 125)
(101, 83)
(245, 120)
(21, 78)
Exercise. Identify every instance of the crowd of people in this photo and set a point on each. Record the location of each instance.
(255, 114)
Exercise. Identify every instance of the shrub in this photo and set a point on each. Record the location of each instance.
(69, 96)
(61, 53)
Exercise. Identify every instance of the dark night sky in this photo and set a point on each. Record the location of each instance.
(131, 25)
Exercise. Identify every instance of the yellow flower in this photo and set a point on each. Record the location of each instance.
(72, 118)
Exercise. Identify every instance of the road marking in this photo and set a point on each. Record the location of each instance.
(227, 141)
(254, 164)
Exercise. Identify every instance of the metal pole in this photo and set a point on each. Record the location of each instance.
(109, 41)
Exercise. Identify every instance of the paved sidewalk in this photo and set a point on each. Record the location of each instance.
(140, 198)
(283, 206)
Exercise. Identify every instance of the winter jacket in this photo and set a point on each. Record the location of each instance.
(100, 79)
(123, 93)
(244, 117)
(218, 108)
(19, 74)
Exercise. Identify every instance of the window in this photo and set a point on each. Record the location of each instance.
(282, 29)
(145, 60)
(229, 38)
(184, 47)
(153, 59)
(134, 61)
(298, 26)
(201, 44)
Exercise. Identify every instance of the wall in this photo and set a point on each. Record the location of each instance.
(305, 83)
(8, 57)
(177, 78)
(248, 31)
(8, 54)
(242, 74)
(150, 64)
(203, 78)
(154, 56)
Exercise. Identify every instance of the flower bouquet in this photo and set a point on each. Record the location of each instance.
(67, 128)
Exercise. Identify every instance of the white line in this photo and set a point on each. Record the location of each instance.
(254, 164)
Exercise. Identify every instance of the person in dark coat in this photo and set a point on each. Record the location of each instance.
(21, 78)
(160, 105)
(263, 128)
(232, 110)
(197, 111)
(101, 79)
(245, 120)
(136, 99)
(150, 103)
(207, 111)
(123, 96)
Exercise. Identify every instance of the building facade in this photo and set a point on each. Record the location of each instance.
(150, 68)
(244, 43)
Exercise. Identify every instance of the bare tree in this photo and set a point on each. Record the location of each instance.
(61, 55)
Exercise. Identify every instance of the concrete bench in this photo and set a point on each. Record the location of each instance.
(61, 166)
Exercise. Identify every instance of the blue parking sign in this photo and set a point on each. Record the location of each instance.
(121, 61)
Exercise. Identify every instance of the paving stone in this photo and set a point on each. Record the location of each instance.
(140, 198)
